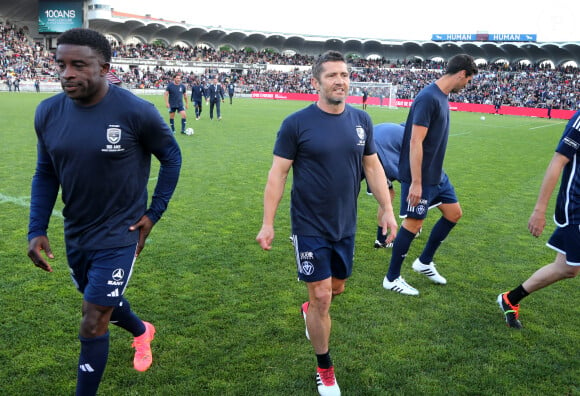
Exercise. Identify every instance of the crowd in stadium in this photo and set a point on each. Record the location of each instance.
(517, 85)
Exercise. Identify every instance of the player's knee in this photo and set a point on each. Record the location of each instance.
(571, 271)
(456, 216)
(336, 290)
(453, 215)
(92, 327)
(322, 302)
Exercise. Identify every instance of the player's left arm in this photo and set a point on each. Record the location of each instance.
(185, 96)
(375, 175)
(418, 135)
(159, 140)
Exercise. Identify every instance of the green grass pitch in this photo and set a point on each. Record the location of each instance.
(228, 313)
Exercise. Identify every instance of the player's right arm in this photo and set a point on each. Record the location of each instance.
(418, 135)
(537, 220)
(272, 195)
(44, 192)
(166, 95)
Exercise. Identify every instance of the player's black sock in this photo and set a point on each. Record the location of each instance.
(380, 237)
(517, 294)
(400, 248)
(123, 317)
(438, 234)
(324, 360)
(92, 362)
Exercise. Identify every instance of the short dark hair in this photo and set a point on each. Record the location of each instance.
(328, 56)
(89, 38)
(462, 62)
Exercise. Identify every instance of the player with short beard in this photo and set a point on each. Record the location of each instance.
(327, 145)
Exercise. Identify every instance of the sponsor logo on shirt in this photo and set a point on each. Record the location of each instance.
(570, 142)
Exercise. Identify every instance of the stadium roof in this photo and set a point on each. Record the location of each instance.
(124, 26)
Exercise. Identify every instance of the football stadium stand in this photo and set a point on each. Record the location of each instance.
(147, 51)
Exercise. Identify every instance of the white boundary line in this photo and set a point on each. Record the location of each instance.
(547, 126)
(25, 202)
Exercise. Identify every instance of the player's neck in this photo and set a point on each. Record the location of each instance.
(331, 108)
(445, 84)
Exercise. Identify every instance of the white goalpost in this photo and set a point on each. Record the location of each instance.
(382, 94)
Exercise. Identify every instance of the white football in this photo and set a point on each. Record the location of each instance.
(189, 131)
(482, 118)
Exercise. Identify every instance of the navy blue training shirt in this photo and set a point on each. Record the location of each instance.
(429, 109)
(100, 156)
(388, 139)
(327, 151)
(568, 200)
(175, 94)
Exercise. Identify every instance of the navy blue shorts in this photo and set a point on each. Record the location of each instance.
(102, 275)
(318, 258)
(432, 196)
(178, 109)
(566, 240)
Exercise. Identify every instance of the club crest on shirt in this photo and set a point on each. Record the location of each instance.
(113, 135)
(360, 131)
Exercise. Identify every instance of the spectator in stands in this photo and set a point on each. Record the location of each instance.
(518, 84)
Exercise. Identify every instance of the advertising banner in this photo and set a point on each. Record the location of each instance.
(59, 16)
(453, 106)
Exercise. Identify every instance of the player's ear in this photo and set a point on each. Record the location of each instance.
(105, 68)
(315, 83)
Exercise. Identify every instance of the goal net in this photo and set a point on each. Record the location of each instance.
(381, 94)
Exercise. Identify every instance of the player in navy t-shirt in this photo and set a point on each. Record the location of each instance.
(95, 142)
(565, 239)
(175, 96)
(327, 145)
(388, 139)
(231, 88)
(424, 184)
(197, 95)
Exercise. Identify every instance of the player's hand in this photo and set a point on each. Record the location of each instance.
(537, 223)
(144, 225)
(35, 247)
(390, 226)
(414, 197)
(265, 237)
